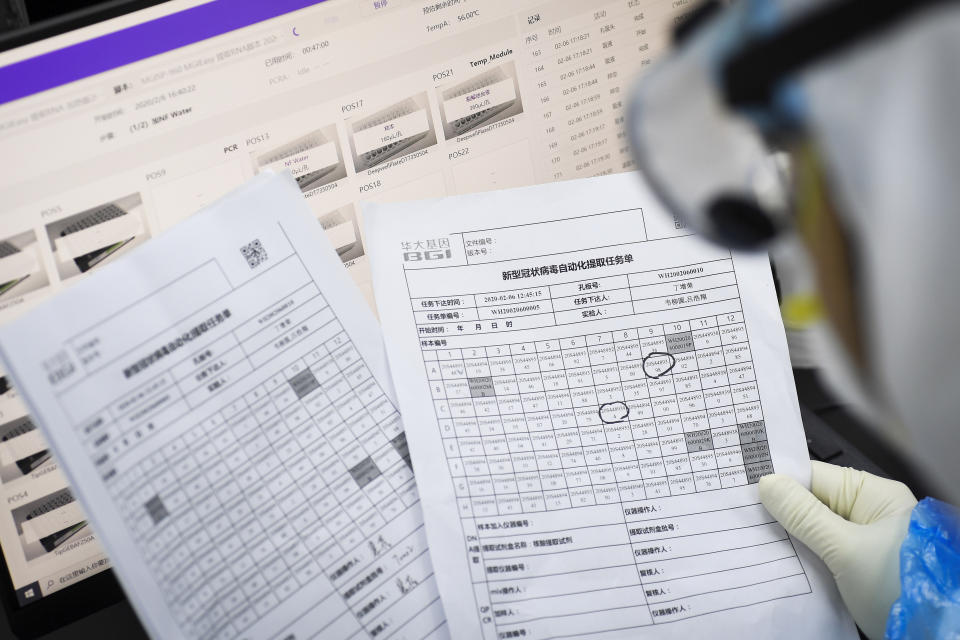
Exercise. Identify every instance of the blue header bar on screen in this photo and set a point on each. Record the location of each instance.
(138, 42)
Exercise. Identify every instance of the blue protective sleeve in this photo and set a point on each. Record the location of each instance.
(929, 603)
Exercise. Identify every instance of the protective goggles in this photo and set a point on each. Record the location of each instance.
(711, 122)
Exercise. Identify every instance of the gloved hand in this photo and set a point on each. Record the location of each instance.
(855, 521)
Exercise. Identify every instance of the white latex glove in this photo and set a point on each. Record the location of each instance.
(855, 521)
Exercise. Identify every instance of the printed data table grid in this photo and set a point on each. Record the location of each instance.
(604, 418)
(296, 479)
(539, 306)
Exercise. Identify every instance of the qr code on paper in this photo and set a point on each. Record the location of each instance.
(254, 253)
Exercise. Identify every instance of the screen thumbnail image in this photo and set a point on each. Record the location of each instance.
(97, 235)
(21, 269)
(483, 99)
(314, 159)
(22, 448)
(343, 230)
(401, 128)
(45, 524)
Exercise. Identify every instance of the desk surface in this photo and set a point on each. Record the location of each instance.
(117, 620)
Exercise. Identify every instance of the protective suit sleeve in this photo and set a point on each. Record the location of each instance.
(929, 602)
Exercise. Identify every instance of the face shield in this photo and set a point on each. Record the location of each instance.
(710, 124)
(872, 89)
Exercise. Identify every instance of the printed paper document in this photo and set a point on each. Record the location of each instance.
(592, 394)
(220, 402)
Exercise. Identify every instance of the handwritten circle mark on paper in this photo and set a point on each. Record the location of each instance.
(613, 412)
(657, 364)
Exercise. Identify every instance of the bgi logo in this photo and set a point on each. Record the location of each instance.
(429, 254)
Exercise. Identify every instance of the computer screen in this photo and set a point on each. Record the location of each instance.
(113, 133)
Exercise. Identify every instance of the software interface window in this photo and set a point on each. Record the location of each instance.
(46, 541)
(360, 101)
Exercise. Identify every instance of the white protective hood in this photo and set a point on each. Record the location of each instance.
(886, 120)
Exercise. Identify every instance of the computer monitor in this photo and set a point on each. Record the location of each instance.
(114, 132)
